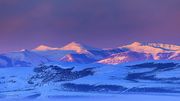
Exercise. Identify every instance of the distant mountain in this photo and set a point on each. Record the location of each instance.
(143, 48)
(143, 51)
(151, 47)
(78, 53)
(72, 52)
(84, 53)
(21, 59)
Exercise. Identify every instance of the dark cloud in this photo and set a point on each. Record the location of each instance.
(101, 23)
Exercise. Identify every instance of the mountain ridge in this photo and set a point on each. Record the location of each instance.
(80, 53)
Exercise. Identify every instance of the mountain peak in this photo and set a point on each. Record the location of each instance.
(79, 48)
(136, 44)
(152, 48)
(74, 44)
(44, 48)
(167, 47)
(143, 48)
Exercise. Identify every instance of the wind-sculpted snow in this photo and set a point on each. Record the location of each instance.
(117, 89)
(155, 68)
(92, 88)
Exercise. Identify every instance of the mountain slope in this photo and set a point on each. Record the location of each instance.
(128, 56)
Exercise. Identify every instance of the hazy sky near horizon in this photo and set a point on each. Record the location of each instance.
(100, 23)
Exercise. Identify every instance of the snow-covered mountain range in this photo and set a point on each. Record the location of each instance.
(48, 72)
(78, 53)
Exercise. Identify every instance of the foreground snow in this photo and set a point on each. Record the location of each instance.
(66, 96)
(118, 98)
(146, 81)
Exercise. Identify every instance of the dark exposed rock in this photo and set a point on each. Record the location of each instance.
(52, 73)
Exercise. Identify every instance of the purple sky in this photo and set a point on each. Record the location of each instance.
(99, 23)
